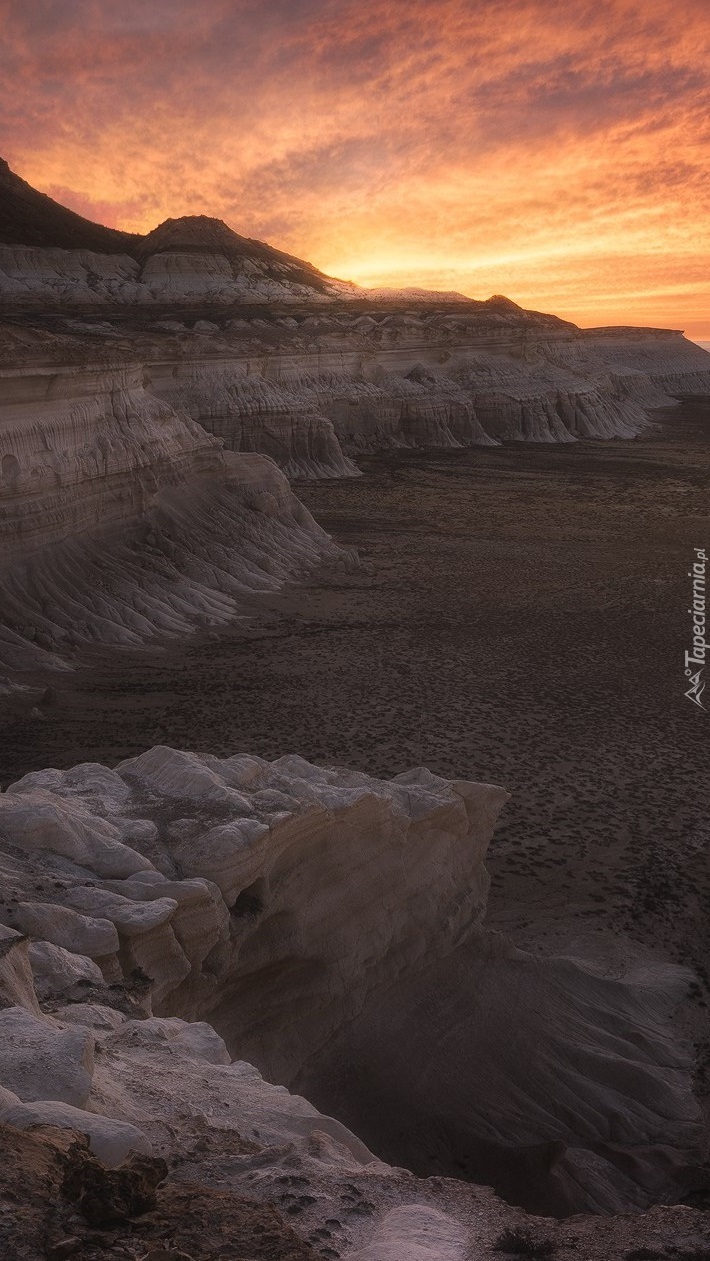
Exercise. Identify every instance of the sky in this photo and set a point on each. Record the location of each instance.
(555, 151)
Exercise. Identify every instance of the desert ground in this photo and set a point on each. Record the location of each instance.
(520, 617)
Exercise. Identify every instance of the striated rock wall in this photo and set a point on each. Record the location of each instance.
(313, 369)
(205, 550)
(675, 365)
(251, 413)
(122, 519)
(34, 278)
(366, 383)
(82, 448)
(135, 496)
(330, 927)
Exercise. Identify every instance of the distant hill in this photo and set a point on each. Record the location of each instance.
(28, 217)
(256, 271)
(31, 218)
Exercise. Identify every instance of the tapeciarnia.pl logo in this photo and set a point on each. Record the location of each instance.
(700, 647)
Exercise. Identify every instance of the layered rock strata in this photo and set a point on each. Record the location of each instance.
(122, 519)
(265, 351)
(330, 928)
(52, 257)
(313, 391)
(675, 365)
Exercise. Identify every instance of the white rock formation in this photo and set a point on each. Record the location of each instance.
(16, 980)
(308, 390)
(40, 1061)
(56, 970)
(251, 413)
(331, 932)
(122, 520)
(419, 1233)
(111, 1140)
(135, 502)
(81, 935)
(675, 365)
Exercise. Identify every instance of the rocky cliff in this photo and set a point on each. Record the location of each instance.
(330, 928)
(675, 365)
(145, 378)
(174, 928)
(268, 353)
(122, 519)
(315, 390)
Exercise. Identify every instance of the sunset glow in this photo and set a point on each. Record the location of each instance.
(554, 153)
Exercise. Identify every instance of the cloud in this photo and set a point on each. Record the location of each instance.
(379, 139)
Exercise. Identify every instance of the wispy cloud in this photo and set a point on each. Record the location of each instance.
(556, 152)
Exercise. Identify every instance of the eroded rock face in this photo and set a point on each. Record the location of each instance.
(354, 384)
(143, 377)
(676, 366)
(329, 926)
(83, 449)
(38, 1061)
(123, 521)
(51, 256)
(269, 354)
(250, 413)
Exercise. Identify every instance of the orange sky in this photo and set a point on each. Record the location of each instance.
(552, 150)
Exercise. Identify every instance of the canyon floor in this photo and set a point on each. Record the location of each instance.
(520, 617)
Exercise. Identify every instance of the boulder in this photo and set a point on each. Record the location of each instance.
(40, 1060)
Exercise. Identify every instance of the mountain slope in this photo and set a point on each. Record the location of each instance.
(28, 217)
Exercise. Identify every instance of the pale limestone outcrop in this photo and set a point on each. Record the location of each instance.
(69, 830)
(121, 518)
(399, 381)
(16, 979)
(420, 1233)
(341, 919)
(85, 449)
(673, 364)
(146, 937)
(111, 1140)
(35, 278)
(156, 1084)
(310, 384)
(200, 919)
(32, 276)
(39, 1060)
(251, 413)
(124, 521)
(82, 935)
(196, 1039)
(56, 970)
(95, 1016)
